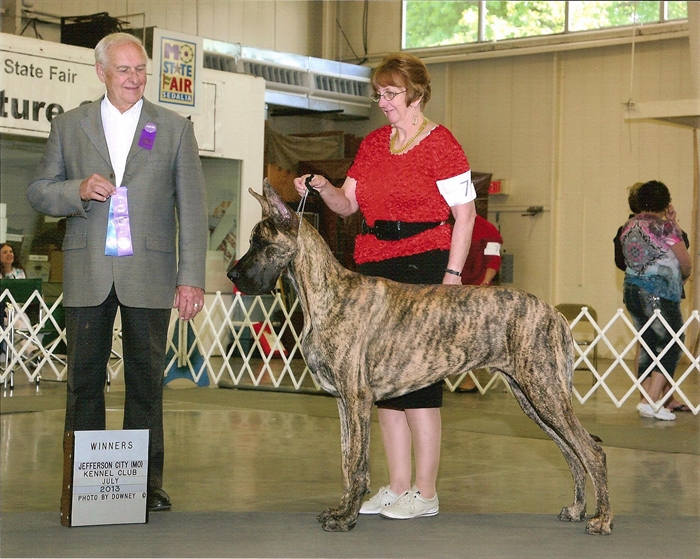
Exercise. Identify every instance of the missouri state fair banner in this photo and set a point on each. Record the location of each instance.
(178, 60)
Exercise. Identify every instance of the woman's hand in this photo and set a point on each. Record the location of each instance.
(317, 182)
(451, 279)
(671, 213)
(339, 200)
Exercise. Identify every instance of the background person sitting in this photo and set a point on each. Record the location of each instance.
(480, 268)
(11, 266)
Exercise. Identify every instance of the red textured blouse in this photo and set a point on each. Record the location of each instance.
(403, 188)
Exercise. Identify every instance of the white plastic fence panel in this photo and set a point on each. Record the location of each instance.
(243, 347)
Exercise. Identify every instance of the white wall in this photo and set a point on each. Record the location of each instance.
(286, 26)
(501, 112)
(553, 125)
(233, 127)
(602, 154)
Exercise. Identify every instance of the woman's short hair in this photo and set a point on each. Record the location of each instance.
(653, 196)
(406, 71)
(108, 42)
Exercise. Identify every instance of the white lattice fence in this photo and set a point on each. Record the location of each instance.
(236, 340)
(688, 364)
(22, 346)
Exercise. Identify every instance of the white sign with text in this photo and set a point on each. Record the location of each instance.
(110, 477)
(37, 84)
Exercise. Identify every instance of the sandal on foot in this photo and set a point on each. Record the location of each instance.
(680, 408)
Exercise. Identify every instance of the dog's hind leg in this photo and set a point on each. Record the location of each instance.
(593, 458)
(581, 451)
(577, 511)
(355, 416)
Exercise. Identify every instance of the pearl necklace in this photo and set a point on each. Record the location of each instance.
(409, 142)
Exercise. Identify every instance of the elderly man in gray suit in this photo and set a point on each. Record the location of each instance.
(127, 175)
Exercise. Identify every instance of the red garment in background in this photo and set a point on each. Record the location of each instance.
(482, 255)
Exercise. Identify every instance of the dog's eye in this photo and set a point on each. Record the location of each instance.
(256, 239)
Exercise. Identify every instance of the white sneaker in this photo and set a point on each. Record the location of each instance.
(384, 497)
(645, 410)
(411, 505)
(665, 414)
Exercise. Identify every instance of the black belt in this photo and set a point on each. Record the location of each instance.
(397, 230)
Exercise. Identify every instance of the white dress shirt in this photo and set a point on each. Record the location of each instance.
(119, 129)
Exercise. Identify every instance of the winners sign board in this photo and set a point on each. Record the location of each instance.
(105, 477)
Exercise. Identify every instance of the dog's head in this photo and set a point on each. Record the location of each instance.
(273, 244)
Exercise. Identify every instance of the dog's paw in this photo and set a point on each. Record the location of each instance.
(327, 515)
(600, 525)
(572, 514)
(339, 524)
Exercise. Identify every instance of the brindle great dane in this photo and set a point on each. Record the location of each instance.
(367, 339)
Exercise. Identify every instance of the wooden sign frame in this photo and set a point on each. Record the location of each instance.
(105, 477)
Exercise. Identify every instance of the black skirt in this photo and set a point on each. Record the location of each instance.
(424, 268)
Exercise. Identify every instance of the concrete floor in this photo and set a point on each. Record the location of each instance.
(248, 470)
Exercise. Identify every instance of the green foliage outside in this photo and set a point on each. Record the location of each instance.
(598, 15)
(430, 23)
(440, 23)
(510, 20)
(677, 10)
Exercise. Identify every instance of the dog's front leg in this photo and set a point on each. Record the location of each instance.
(355, 414)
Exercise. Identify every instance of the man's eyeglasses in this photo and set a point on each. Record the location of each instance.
(388, 95)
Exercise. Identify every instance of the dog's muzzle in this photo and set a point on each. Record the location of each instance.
(253, 280)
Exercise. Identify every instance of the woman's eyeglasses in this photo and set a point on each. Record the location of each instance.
(388, 95)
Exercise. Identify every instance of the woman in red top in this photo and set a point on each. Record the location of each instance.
(408, 179)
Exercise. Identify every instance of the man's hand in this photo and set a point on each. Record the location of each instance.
(189, 301)
(97, 188)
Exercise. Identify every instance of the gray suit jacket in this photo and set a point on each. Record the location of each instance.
(167, 208)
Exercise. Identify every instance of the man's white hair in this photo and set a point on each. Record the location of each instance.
(114, 40)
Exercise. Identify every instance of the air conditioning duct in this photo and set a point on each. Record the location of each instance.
(297, 84)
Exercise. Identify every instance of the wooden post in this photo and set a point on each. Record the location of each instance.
(67, 493)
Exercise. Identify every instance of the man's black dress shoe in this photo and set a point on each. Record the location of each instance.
(158, 500)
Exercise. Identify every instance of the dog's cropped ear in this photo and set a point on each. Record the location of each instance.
(263, 202)
(274, 207)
